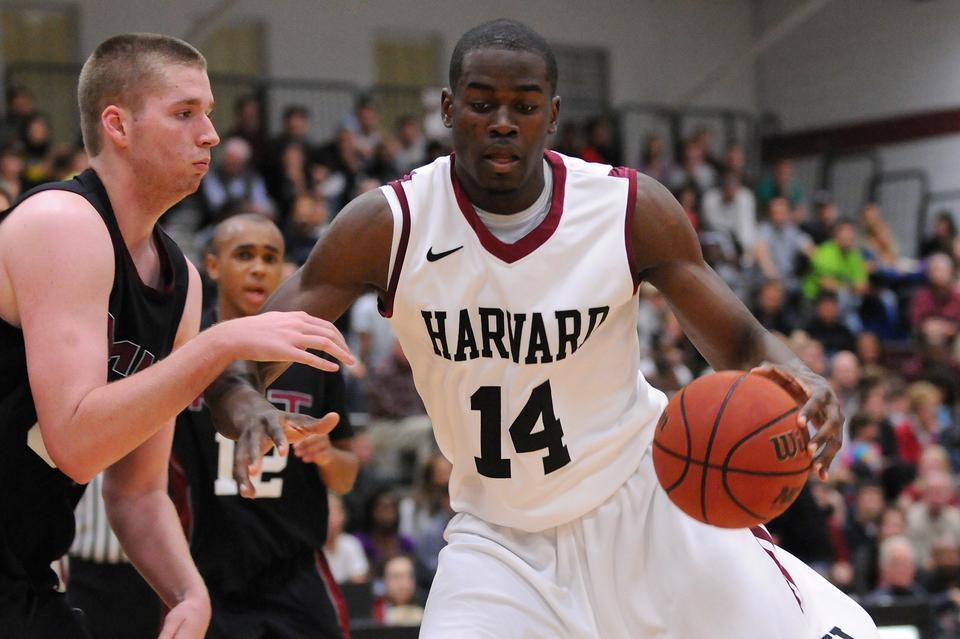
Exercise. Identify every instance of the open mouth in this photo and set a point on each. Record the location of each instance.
(255, 294)
(502, 161)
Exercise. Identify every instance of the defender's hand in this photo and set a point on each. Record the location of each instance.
(820, 409)
(284, 337)
(265, 428)
(316, 449)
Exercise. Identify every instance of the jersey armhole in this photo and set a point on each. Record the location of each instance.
(400, 208)
(631, 177)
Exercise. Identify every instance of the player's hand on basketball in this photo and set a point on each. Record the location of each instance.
(819, 409)
(187, 620)
(285, 337)
(265, 428)
(316, 449)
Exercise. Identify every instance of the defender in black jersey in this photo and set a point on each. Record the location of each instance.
(93, 297)
(262, 559)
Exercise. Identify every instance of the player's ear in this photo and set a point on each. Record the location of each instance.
(113, 120)
(554, 114)
(212, 264)
(446, 107)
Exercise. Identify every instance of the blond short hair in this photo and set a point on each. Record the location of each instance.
(121, 70)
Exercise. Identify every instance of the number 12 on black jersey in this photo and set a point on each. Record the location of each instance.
(491, 463)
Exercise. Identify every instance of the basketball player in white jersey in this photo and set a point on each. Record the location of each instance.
(510, 275)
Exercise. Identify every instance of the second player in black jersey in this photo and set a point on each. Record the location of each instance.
(261, 558)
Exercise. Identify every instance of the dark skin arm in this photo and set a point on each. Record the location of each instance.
(351, 258)
(719, 325)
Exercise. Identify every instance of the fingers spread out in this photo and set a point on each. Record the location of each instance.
(299, 427)
(246, 461)
(785, 379)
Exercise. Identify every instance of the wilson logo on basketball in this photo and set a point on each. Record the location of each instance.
(788, 445)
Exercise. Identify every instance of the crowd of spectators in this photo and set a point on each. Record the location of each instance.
(856, 307)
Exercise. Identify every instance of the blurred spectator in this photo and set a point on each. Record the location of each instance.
(371, 335)
(695, 170)
(933, 516)
(873, 404)
(862, 456)
(68, 162)
(344, 552)
(826, 325)
(935, 309)
(720, 253)
(862, 534)
(898, 574)
(307, 219)
(413, 146)
(845, 376)
(689, 199)
(5, 200)
(943, 583)
(825, 217)
(654, 159)
(933, 460)
(19, 110)
(780, 184)
(567, 141)
(601, 145)
(383, 165)
(731, 209)
(248, 124)
(291, 178)
(810, 351)
(838, 266)
(295, 129)
(381, 539)
(235, 185)
(398, 606)
(346, 162)
(368, 483)
(782, 249)
(921, 427)
(735, 159)
(870, 353)
(424, 515)
(401, 431)
(364, 123)
(704, 137)
(803, 530)
(11, 169)
(880, 246)
(770, 308)
(943, 236)
(37, 146)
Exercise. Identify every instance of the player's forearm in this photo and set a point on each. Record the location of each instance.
(341, 472)
(149, 531)
(113, 419)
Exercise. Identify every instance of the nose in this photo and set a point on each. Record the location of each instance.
(258, 267)
(208, 136)
(501, 124)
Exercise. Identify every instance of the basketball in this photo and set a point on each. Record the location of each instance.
(728, 450)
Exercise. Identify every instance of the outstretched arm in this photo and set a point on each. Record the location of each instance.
(57, 256)
(715, 320)
(351, 258)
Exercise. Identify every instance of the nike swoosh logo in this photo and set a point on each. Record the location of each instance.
(433, 257)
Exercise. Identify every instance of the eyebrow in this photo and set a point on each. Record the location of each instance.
(517, 87)
(191, 102)
(249, 247)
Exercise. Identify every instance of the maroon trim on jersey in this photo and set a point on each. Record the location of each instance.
(530, 242)
(761, 533)
(333, 591)
(631, 175)
(386, 305)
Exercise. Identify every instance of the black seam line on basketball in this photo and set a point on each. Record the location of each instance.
(433, 257)
(686, 428)
(733, 449)
(713, 435)
(737, 471)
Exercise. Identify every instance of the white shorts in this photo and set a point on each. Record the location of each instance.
(634, 568)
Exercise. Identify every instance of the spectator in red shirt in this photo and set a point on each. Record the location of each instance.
(922, 426)
(935, 309)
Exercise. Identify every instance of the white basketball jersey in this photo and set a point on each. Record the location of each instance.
(525, 354)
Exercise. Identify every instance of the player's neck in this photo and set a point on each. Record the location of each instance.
(136, 205)
(227, 311)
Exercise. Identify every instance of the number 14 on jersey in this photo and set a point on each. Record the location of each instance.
(487, 401)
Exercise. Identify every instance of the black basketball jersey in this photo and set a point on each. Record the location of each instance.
(234, 540)
(36, 499)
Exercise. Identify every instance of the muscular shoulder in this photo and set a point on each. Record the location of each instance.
(661, 230)
(48, 234)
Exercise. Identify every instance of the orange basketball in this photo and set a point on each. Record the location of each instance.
(728, 449)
